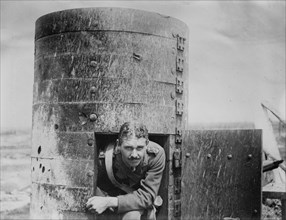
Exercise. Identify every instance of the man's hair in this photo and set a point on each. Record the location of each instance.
(128, 129)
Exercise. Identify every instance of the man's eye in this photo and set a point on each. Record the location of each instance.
(128, 148)
(140, 147)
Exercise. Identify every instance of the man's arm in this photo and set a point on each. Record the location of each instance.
(141, 198)
(144, 197)
(100, 204)
(101, 201)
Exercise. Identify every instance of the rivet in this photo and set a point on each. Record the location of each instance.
(255, 211)
(93, 117)
(90, 142)
(209, 156)
(90, 173)
(229, 156)
(172, 95)
(93, 63)
(93, 89)
(249, 156)
(188, 155)
(56, 126)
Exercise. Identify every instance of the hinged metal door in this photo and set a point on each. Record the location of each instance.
(221, 174)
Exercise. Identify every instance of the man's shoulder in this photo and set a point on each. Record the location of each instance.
(154, 149)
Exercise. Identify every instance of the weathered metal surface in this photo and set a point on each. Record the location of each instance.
(57, 171)
(65, 145)
(117, 19)
(104, 90)
(105, 54)
(221, 175)
(95, 69)
(73, 117)
(57, 198)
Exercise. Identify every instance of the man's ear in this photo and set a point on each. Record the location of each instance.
(117, 147)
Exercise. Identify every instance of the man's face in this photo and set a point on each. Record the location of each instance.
(133, 150)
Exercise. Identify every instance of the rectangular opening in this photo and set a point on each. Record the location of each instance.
(101, 142)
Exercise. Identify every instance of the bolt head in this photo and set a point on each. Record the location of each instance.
(249, 156)
(229, 156)
(93, 117)
(209, 156)
(93, 63)
(90, 142)
(90, 173)
(93, 89)
(188, 155)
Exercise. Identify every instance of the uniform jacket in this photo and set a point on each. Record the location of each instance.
(145, 180)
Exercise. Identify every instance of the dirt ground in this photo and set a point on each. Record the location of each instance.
(15, 175)
(15, 179)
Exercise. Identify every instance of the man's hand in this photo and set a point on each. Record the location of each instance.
(99, 204)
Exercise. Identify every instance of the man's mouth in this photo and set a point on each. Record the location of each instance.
(134, 159)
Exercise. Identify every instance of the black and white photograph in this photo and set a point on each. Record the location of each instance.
(129, 110)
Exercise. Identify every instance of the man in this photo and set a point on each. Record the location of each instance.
(129, 175)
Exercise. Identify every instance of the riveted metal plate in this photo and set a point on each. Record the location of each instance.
(216, 185)
(179, 85)
(177, 208)
(177, 184)
(179, 107)
(180, 43)
(178, 136)
(180, 64)
(177, 158)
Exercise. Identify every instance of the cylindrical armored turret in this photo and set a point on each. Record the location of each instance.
(95, 69)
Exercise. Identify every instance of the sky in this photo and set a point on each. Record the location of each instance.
(236, 55)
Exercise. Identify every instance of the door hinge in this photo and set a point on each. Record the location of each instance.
(180, 64)
(177, 208)
(179, 85)
(179, 107)
(177, 158)
(180, 43)
(178, 136)
(177, 185)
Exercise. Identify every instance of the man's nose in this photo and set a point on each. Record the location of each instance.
(134, 153)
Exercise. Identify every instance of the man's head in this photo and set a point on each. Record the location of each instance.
(132, 142)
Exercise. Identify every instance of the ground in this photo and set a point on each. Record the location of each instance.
(16, 179)
(15, 175)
